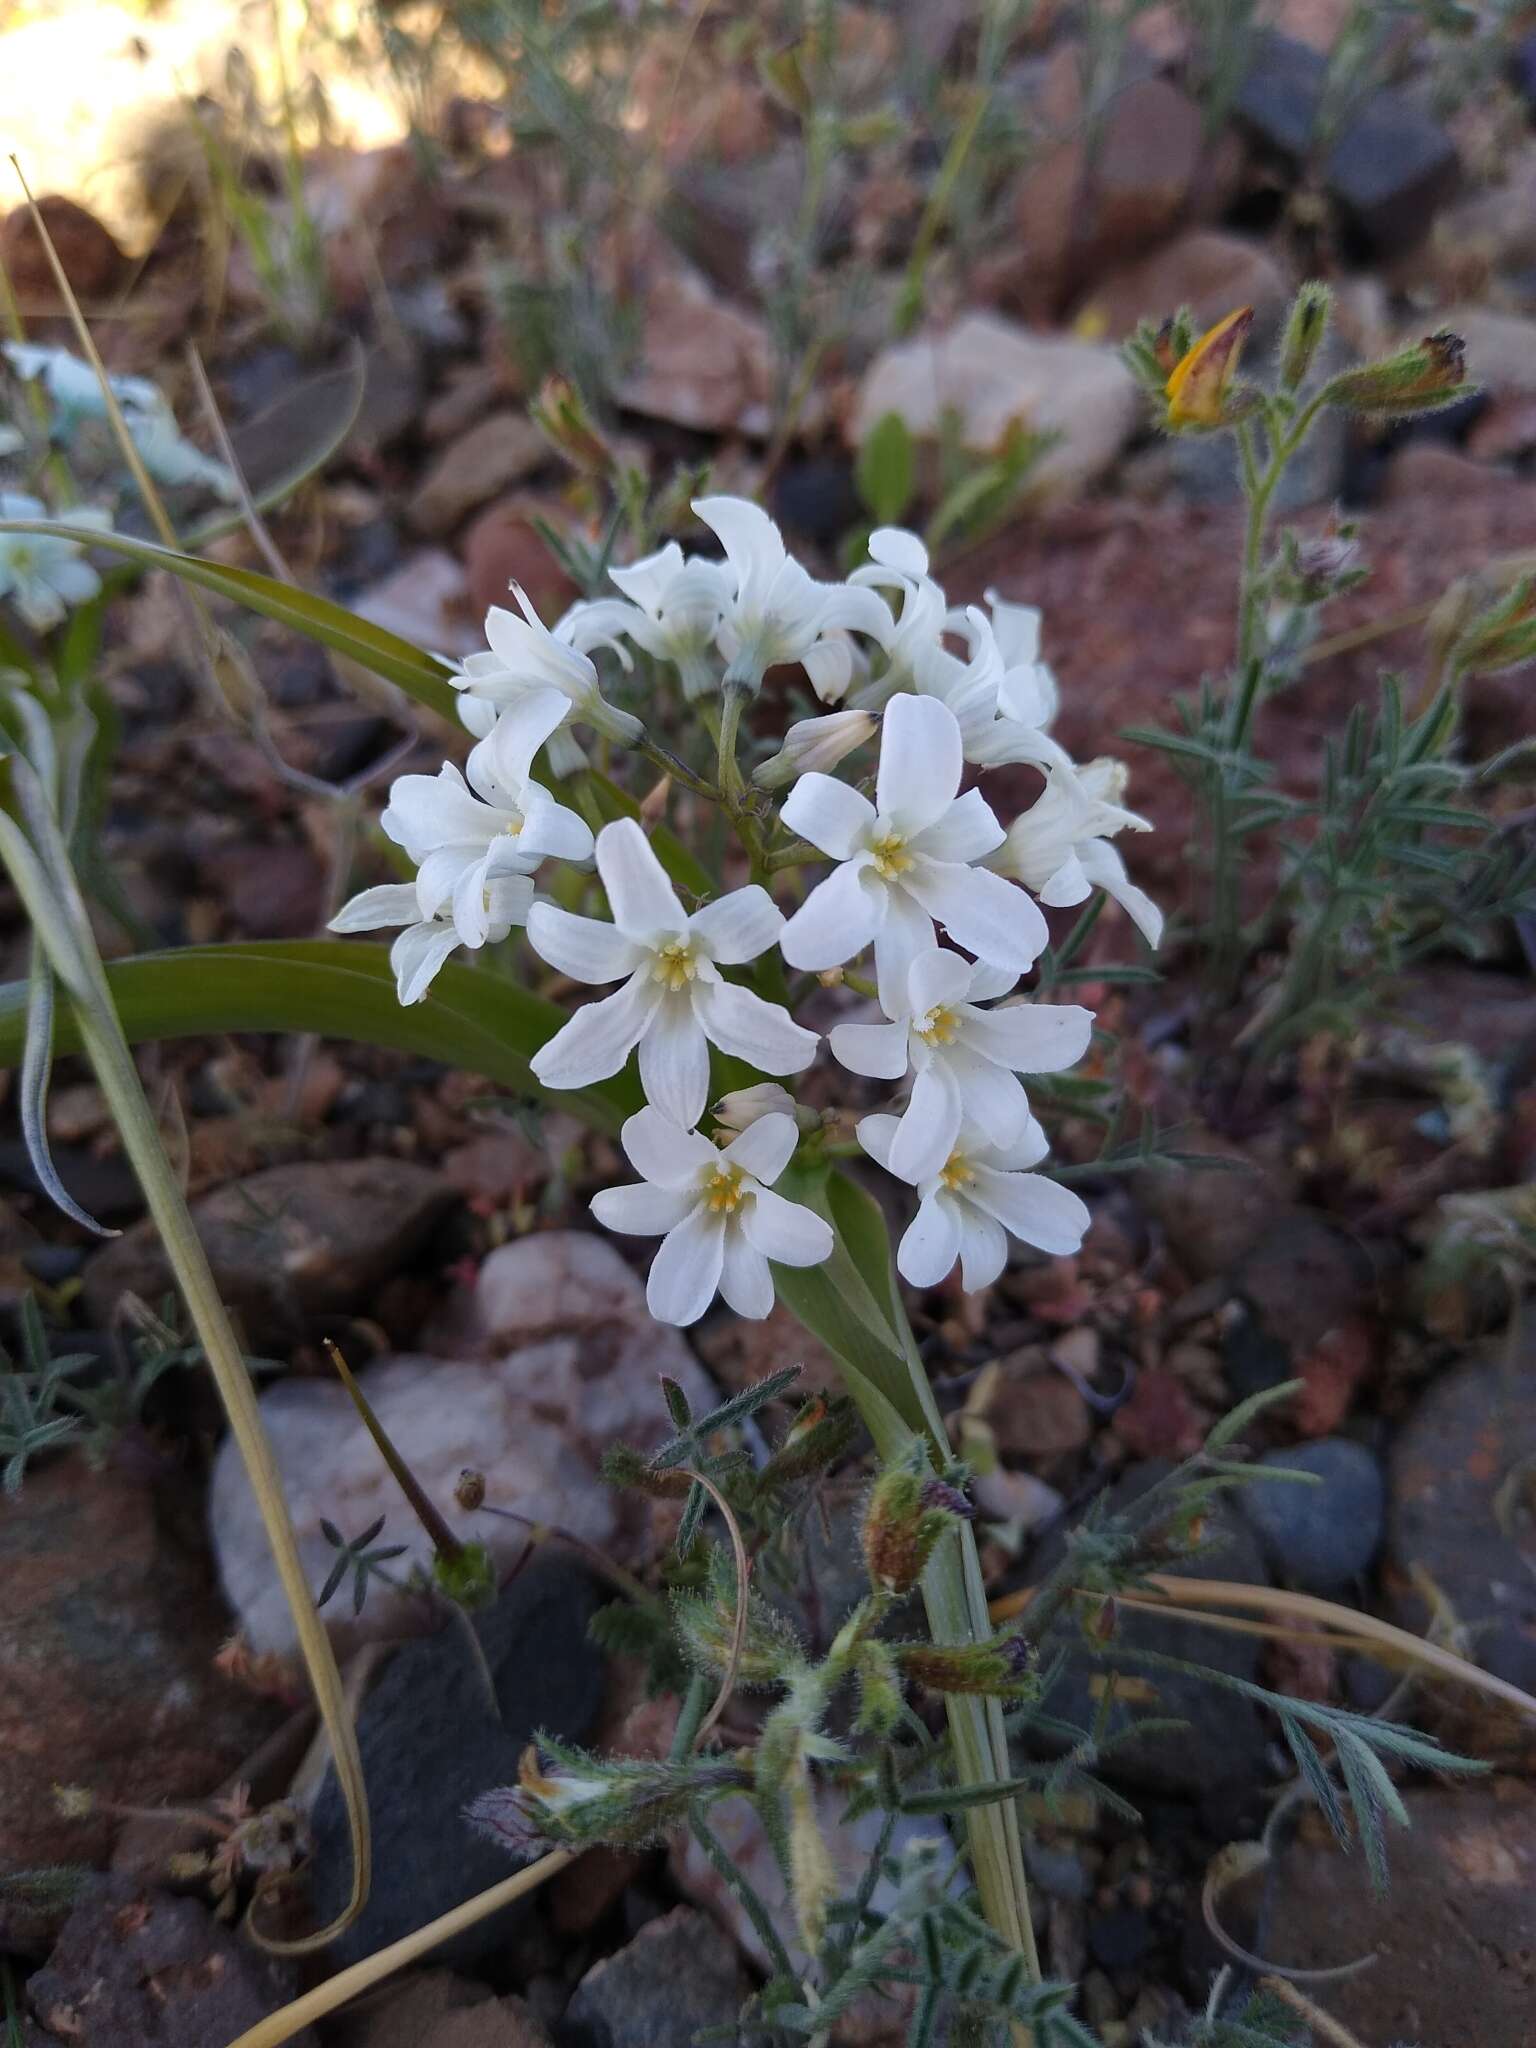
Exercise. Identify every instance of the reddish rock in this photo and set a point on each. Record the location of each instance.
(1145, 170)
(1205, 269)
(1037, 1413)
(503, 547)
(483, 461)
(94, 264)
(1331, 1376)
(1160, 1420)
(704, 364)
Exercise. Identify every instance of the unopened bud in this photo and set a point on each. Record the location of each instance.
(902, 1524)
(469, 1492)
(1503, 634)
(560, 413)
(465, 1576)
(1304, 331)
(1199, 389)
(996, 1670)
(815, 744)
(1419, 379)
(818, 1436)
(743, 1106)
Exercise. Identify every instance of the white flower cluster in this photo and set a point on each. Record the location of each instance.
(908, 857)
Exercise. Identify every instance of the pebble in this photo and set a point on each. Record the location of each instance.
(1320, 1538)
(679, 1975)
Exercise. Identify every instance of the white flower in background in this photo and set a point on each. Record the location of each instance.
(674, 1003)
(1060, 846)
(533, 682)
(905, 860)
(41, 574)
(1011, 724)
(814, 745)
(462, 842)
(12, 440)
(674, 612)
(75, 393)
(898, 562)
(979, 1197)
(719, 1221)
(777, 612)
(965, 1060)
(425, 944)
(171, 458)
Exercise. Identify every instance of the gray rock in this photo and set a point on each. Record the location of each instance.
(1320, 1538)
(1449, 1511)
(135, 1965)
(429, 1744)
(677, 1976)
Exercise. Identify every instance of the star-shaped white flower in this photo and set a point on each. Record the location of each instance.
(674, 1003)
(980, 1196)
(428, 939)
(1060, 846)
(777, 612)
(675, 605)
(906, 860)
(965, 1060)
(41, 574)
(532, 682)
(463, 839)
(715, 1211)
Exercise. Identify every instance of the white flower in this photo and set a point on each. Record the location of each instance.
(12, 440)
(425, 944)
(743, 1106)
(674, 612)
(776, 612)
(979, 1197)
(1060, 846)
(674, 1003)
(41, 574)
(535, 681)
(965, 1060)
(815, 745)
(906, 860)
(719, 1221)
(74, 390)
(462, 842)
(170, 457)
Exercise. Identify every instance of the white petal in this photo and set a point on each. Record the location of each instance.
(753, 544)
(1102, 864)
(738, 927)
(830, 814)
(983, 1248)
(551, 830)
(920, 763)
(438, 876)
(664, 1152)
(931, 1242)
(894, 548)
(645, 582)
(427, 811)
(926, 1135)
(746, 1284)
(980, 911)
(967, 830)
(686, 1270)
(416, 956)
(511, 898)
(674, 1061)
(390, 903)
(990, 1097)
(765, 1147)
(878, 1050)
(837, 919)
(583, 947)
(989, 981)
(1020, 1153)
(744, 1025)
(786, 1232)
(937, 979)
(641, 1210)
(643, 902)
(1036, 1210)
(470, 908)
(523, 727)
(599, 1038)
(905, 934)
(1031, 1038)
(877, 1134)
(829, 664)
(1068, 885)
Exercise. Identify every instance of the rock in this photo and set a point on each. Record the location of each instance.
(1454, 1516)
(270, 890)
(288, 1245)
(1144, 168)
(703, 363)
(678, 1975)
(469, 393)
(1159, 1420)
(726, 217)
(1119, 1937)
(1427, 472)
(1047, 202)
(503, 546)
(1454, 1938)
(740, 1353)
(558, 1358)
(108, 1634)
(1390, 165)
(1206, 269)
(1035, 1412)
(426, 600)
(94, 264)
(486, 459)
(1319, 1538)
(135, 1965)
(993, 373)
(430, 1744)
(1304, 1278)
(436, 2009)
(1218, 1759)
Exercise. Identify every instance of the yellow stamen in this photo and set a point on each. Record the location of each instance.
(674, 965)
(890, 854)
(957, 1172)
(939, 1027)
(722, 1190)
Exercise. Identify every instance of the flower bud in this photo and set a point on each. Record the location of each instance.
(1501, 637)
(466, 1576)
(743, 1106)
(570, 1796)
(909, 1510)
(1419, 379)
(996, 1669)
(560, 413)
(1199, 389)
(817, 1438)
(815, 743)
(1304, 331)
(469, 1493)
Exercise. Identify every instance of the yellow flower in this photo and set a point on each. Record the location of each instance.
(1197, 390)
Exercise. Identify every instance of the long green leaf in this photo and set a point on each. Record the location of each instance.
(384, 654)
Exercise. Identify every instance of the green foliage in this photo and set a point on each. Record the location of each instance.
(359, 1557)
(886, 470)
(33, 1398)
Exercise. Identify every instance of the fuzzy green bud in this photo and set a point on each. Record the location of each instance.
(706, 1627)
(466, 1575)
(1430, 374)
(879, 1689)
(1304, 330)
(1502, 636)
(998, 1670)
(574, 1798)
(819, 1435)
(908, 1511)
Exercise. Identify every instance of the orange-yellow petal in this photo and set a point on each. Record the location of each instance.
(1197, 389)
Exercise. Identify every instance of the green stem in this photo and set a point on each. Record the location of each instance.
(744, 1894)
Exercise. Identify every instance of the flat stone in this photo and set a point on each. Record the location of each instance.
(992, 373)
(501, 546)
(1321, 1537)
(679, 1975)
(426, 600)
(486, 459)
(430, 1744)
(1206, 269)
(704, 363)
